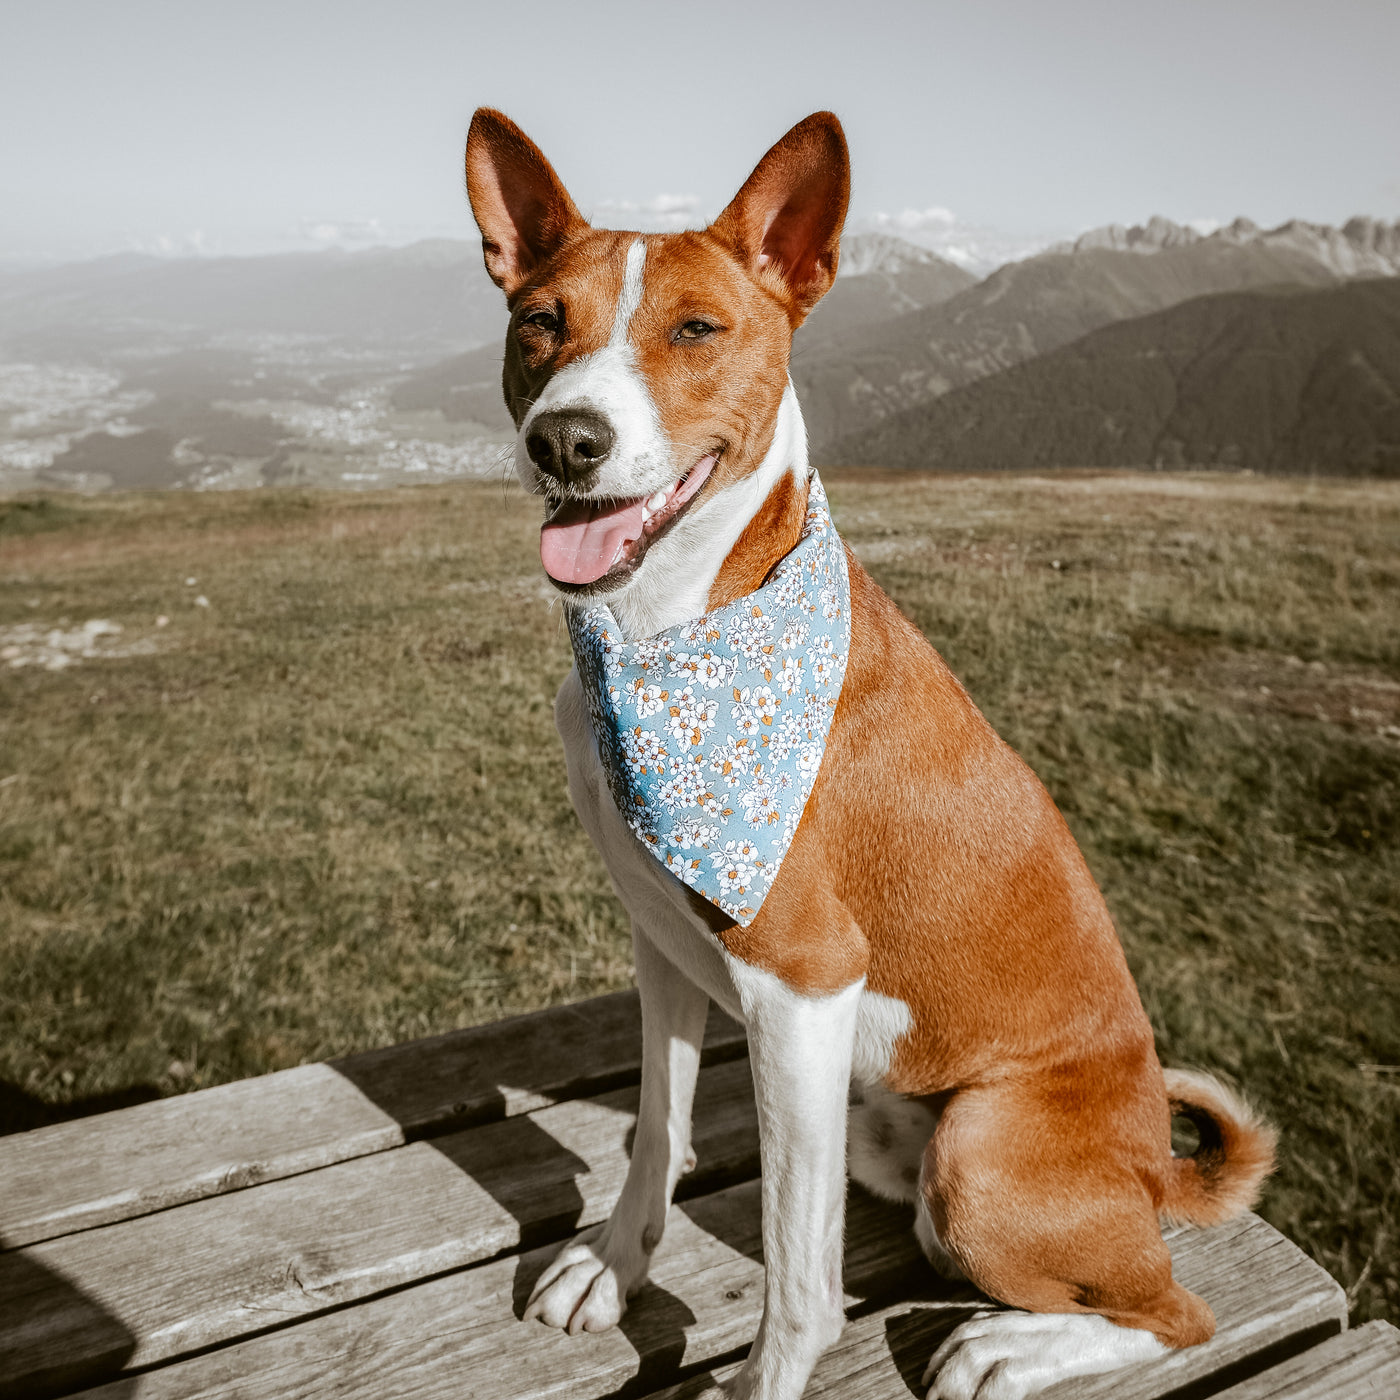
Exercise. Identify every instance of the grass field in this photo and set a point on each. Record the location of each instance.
(322, 806)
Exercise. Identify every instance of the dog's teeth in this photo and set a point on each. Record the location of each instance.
(654, 503)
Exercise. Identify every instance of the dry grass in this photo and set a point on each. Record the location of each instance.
(328, 811)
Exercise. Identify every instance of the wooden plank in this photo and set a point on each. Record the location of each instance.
(1363, 1364)
(1283, 1296)
(517, 1065)
(459, 1335)
(1266, 1294)
(881, 1356)
(77, 1175)
(77, 1309)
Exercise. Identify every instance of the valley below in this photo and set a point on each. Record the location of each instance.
(1147, 347)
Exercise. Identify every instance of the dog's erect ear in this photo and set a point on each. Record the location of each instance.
(521, 206)
(788, 215)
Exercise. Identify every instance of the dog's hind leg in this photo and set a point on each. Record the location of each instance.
(587, 1286)
(1046, 1201)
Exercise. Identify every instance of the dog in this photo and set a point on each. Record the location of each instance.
(934, 993)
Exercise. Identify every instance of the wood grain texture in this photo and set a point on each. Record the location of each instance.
(116, 1166)
(1363, 1364)
(1264, 1290)
(425, 1169)
(880, 1356)
(221, 1268)
(1280, 1294)
(458, 1335)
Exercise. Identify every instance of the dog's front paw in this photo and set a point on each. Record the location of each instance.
(1009, 1355)
(581, 1291)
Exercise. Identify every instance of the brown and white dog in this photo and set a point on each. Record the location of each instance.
(934, 943)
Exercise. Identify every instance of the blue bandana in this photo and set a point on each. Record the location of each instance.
(711, 733)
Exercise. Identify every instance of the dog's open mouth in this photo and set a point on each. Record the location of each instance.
(583, 542)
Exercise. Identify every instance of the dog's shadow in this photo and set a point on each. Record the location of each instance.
(912, 1337)
(537, 1180)
(654, 1324)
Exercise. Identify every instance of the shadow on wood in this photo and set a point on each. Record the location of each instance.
(20, 1110)
(46, 1314)
(914, 1336)
(536, 1178)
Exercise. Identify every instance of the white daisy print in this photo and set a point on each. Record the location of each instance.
(614, 659)
(749, 633)
(700, 632)
(692, 832)
(745, 717)
(648, 653)
(815, 707)
(735, 876)
(705, 668)
(682, 867)
(683, 785)
(689, 717)
(717, 670)
(713, 806)
(649, 699)
(787, 734)
(739, 865)
(794, 633)
(790, 588)
(765, 703)
(733, 759)
(760, 803)
(643, 751)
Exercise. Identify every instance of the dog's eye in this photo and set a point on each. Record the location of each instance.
(696, 330)
(545, 320)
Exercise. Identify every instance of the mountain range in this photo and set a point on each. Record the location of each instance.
(1361, 247)
(1141, 345)
(1035, 306)
(1282, 381)
(431, 295)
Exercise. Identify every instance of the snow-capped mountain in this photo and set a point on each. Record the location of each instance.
(1362, 247)
(862, 253)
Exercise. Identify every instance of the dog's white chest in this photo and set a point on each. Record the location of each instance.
(655, 899)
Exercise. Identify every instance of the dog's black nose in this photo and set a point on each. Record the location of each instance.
(569, 443)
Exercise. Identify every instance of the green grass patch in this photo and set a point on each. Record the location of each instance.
(327, 811)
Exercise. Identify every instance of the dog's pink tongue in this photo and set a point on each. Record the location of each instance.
(581, 540)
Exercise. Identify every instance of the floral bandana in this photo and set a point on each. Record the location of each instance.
(711, 733)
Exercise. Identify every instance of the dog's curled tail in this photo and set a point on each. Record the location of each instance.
(1223, 1176)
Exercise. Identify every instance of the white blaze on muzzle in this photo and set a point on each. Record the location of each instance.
(609, 383)
(635, 492)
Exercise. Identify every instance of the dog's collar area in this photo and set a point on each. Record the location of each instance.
(711, 733)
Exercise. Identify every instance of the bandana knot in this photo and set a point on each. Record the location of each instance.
(712, 732)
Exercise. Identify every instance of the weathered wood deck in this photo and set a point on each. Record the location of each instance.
(371, 1227)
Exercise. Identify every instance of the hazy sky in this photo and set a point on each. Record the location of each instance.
(248, 125)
